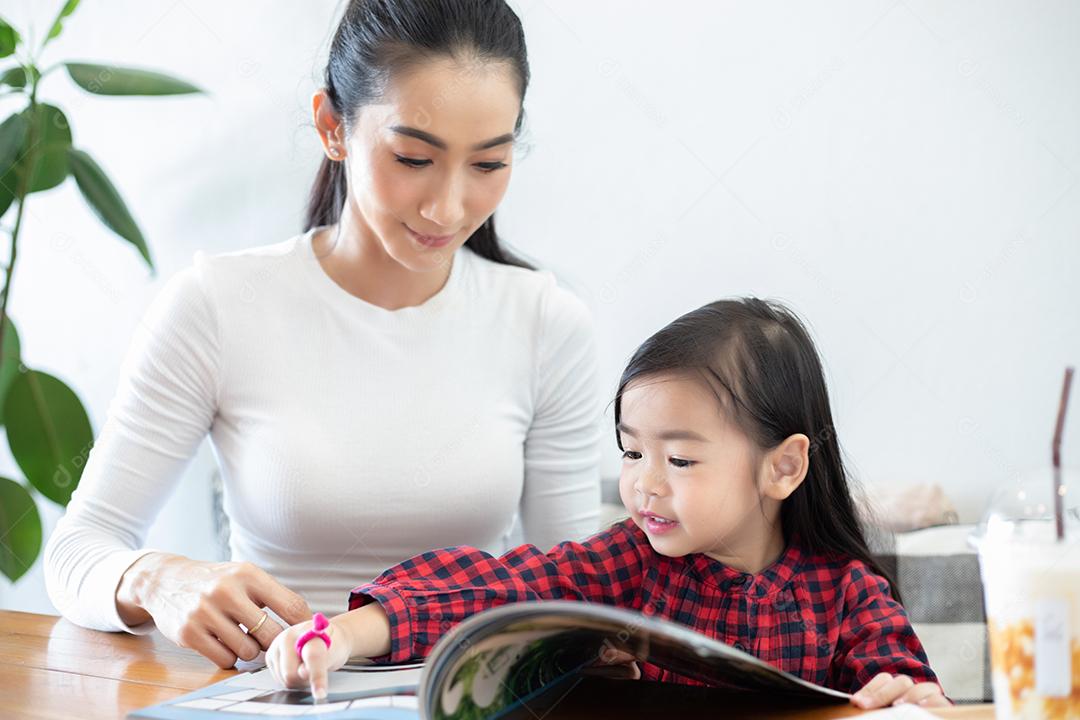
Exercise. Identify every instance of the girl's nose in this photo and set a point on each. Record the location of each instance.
(649, 483)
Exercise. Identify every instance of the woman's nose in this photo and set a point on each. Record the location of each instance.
(446, 207)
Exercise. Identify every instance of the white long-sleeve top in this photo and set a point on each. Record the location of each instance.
(350, 437)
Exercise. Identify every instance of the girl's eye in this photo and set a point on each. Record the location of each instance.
(680, 463)
(488, 167)
(412, 162)
(630, 455)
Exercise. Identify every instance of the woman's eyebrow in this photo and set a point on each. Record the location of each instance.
(666, 434)
(441, 144)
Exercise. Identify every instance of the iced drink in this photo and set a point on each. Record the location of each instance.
(1032, 587)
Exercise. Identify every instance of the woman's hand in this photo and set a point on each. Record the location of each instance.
(885, 689)
(200, 605)
(318, 660)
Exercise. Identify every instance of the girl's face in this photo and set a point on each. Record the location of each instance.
(429, 163)
(690, 479)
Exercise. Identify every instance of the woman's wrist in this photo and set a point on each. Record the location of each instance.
(132, 589)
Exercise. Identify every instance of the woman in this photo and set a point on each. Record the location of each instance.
(391, 380)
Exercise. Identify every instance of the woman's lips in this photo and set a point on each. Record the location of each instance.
(432, 241)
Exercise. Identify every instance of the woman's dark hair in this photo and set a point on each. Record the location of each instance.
(377, 39)
(771, 385)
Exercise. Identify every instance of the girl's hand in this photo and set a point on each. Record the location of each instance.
(614, 663)
(885, 689)
(318, 660)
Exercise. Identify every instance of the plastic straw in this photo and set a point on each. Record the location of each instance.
(1059, 491)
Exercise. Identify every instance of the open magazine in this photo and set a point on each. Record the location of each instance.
(496, 662)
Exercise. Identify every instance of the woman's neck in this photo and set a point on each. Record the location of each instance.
(355, 259)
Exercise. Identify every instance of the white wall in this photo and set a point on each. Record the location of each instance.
(903, 173)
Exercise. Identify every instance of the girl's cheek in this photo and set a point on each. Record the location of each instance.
(626, 492)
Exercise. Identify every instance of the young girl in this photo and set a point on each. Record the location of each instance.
(741, 526)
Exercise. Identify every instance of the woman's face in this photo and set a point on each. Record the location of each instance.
(429, 163)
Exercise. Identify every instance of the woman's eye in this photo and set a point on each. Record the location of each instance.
(680, 463)
(631, 455)
(490, 166)
(412, 162)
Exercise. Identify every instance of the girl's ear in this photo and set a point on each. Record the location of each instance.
(786, 466)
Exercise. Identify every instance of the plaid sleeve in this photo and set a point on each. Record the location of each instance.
(875, 636)
(425, 596)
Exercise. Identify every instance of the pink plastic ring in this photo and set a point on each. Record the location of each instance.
(321, 623)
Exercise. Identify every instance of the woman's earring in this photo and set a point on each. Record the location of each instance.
(334, 152)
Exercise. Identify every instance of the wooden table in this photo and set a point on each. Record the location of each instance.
(50, 668)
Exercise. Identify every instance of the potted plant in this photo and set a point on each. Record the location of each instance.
(47, 427)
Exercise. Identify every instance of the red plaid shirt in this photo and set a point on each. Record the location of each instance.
(828, 621)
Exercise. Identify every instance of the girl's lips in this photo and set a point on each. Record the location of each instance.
(656, 524)
(434, 241)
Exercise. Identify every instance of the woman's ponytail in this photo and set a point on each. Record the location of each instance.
(327, 195)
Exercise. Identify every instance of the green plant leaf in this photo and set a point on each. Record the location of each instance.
(20, 529)
(114, 80)
(53, 132)
(7, 191)
(58, 23)
(103, 197)
(48, 433)
(17, 76)
(9, 38)
(13, 133)
(52, 137)
(12, 141)
(10, 357)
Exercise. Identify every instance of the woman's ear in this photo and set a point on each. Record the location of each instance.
(786, 466)
(328, 125)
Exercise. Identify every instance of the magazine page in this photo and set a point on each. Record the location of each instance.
(502, 658)
(356, 691)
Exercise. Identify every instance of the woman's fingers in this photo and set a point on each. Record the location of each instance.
(259, 590)
(202, 641)
(266, 633)
(268, 592)
(201, 605)
(261, 631)
(229, 633)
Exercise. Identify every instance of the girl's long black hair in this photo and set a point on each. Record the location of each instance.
(773, 386)
(378, 38)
